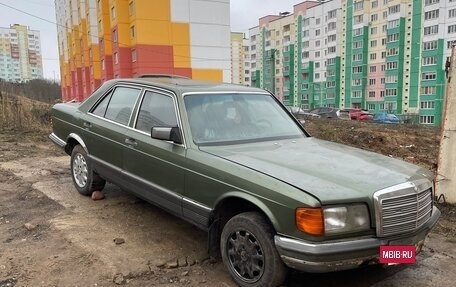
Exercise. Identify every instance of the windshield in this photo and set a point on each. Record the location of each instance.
(234, 118)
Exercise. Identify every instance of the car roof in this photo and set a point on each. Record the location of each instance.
(183, 85)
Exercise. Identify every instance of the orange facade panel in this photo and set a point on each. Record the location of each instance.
(215, 75)
(145, 9)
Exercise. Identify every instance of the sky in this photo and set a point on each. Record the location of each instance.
(244, 15)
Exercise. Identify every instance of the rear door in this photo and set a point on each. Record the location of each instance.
(156, 167)
(105, 127)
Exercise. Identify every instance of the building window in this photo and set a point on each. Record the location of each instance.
(371, 106)
(393, 38)
(385, 14)
(317, 32)
(358, 57)
(131, 8)
(372, 82)
(113, 12)
(427, 61)
(332, 14)
(132, 31)
(357, 44)
(430, 2)
(332, 26)
(331, 49)
(393, 24)
(356, 82)
(382, 95)
(427, 105)
(317, 75)
(434, 29)
(373, 69)
(358, 19)
(374, 4)
(451, 29)
(372, 94)
(391, 92)
(426, 119)
(356, 94)
(133, 55)
(373, 43)
(359, 5)
(394, 9)
(431, 90)
(332, 38)
(433, 14)
(357, 69)
(452, 13)
(391, 79)
(374, 17)
(116, 58)
(358, 32)
(373, 30)
(317, 54)
(432, 45)
(428, 76)
(373, 56)
(114, 36)
(391, 65)
(393, 51)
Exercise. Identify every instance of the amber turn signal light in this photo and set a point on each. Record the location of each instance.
(310, 221)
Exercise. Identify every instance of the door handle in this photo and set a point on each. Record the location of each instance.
(131, 142)
(87, 125)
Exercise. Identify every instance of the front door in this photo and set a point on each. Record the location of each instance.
(156, 167)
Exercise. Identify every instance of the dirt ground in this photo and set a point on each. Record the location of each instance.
(52, 236)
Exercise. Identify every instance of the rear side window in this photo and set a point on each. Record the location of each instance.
(157, 110)
(118, 105)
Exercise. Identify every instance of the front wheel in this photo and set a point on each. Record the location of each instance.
(249, 253)
(85, 180)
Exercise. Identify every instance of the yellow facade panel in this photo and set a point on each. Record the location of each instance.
(156, 9)
(96, 61)
(180, 34)
(151, 32)
(207, 74)
(182, 56)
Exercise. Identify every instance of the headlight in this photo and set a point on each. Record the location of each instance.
(350, 218)
(332, 220)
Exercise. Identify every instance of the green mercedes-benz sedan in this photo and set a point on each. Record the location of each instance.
(233, 161)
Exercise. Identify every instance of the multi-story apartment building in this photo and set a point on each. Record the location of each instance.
(379, 55)
(20, 54)
(104, 39)
(240, 59)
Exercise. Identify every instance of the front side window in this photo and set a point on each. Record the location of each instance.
(157, 110)
(235, 118)
(117, 105)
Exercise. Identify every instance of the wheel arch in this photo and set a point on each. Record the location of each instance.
(236, 202)
(232, 204)
(73, 140)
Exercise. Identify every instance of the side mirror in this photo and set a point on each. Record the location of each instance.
(167, 133)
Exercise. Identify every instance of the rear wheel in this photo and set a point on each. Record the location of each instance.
(249, 253)
(85, 180)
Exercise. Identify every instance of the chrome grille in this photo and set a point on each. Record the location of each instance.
(402, 209)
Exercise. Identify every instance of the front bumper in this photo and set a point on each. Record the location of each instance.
(344, 254)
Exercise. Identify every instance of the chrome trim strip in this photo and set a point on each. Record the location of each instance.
(142, 132)
(197, 204)
(58, 141)
(225, 92)
(79, 139)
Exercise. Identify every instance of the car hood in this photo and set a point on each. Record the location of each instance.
(331, 172)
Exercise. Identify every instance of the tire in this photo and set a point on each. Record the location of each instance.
(249, 253)
(84, 178)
